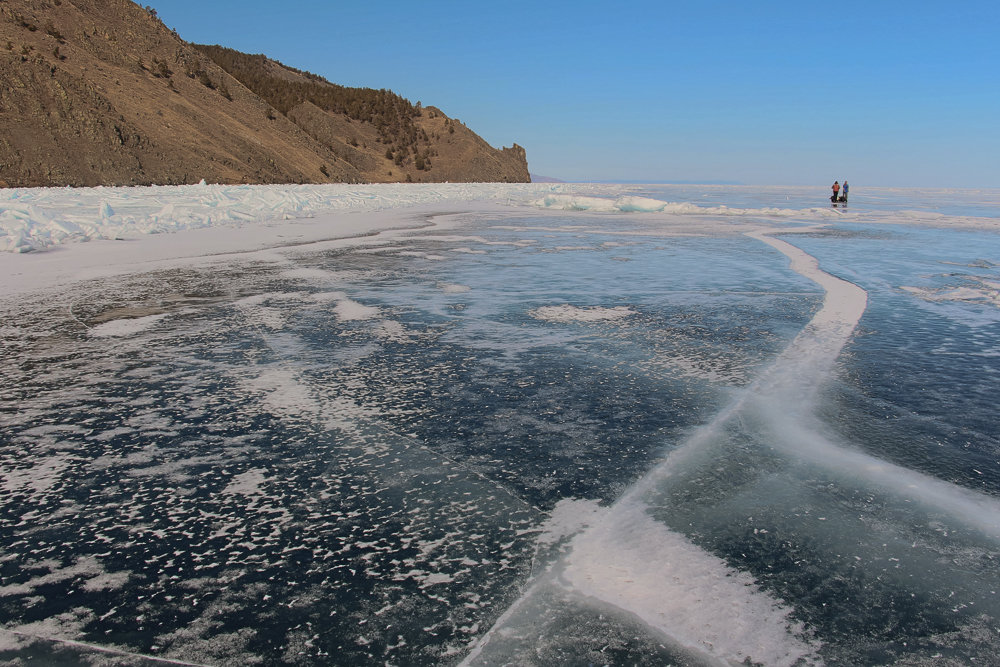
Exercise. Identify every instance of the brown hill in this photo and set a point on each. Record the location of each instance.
(100, 92)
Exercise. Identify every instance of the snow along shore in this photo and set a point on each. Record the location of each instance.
(38, 218)
(52, 236)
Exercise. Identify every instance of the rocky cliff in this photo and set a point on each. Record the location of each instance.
(100, 92)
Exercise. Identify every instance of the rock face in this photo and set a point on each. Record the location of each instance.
(100, 92)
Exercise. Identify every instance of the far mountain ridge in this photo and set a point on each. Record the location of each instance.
(101, 92)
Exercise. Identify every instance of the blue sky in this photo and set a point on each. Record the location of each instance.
(784, 93)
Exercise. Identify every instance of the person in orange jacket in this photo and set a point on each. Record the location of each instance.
(836, 191)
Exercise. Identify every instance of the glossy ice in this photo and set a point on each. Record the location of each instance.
(529, 437)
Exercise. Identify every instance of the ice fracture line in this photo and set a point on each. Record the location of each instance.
(629, 560)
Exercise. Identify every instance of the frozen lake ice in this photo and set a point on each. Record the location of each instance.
(540, 425)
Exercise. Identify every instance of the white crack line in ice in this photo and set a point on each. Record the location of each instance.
(790, 382)
(610, 559)
(103, 649)
(695, 599)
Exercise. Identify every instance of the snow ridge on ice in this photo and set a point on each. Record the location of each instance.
(38, 218)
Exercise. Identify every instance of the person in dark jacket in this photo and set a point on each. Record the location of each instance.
(844, 189)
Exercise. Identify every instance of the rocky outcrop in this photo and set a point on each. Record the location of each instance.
(100, 92)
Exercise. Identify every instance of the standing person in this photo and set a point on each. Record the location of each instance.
(836, 191)
(845, 188)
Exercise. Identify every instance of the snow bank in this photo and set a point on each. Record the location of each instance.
(34, 219)
(143, 229)
(38, 218)
(139, 229)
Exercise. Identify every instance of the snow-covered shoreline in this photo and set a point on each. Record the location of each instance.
(53, 236)
(38, 218)
(33, 219)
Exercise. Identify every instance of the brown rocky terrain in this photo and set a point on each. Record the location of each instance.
(100, 92)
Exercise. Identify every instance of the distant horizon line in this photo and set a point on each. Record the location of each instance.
(630, 181)
(538, 178)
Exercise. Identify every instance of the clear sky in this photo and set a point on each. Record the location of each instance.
(879, 92)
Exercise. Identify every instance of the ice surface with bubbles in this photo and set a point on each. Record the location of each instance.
(588, 424)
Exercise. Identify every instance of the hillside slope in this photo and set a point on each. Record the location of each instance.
(100, 92)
